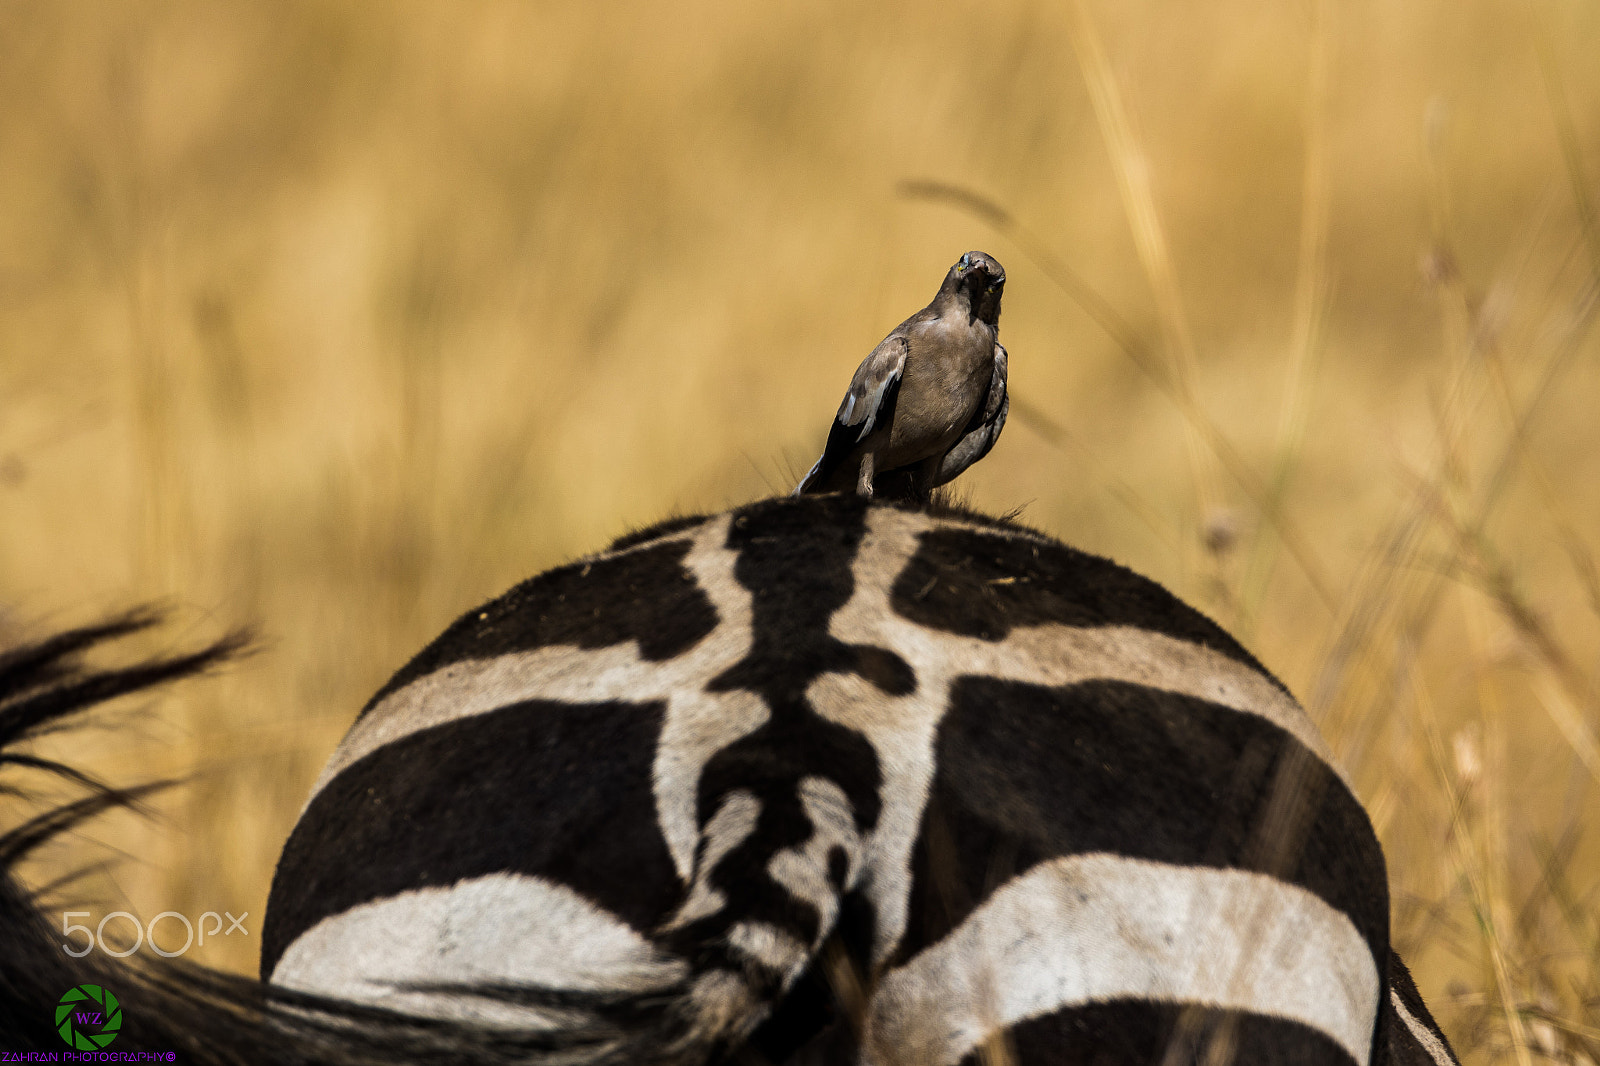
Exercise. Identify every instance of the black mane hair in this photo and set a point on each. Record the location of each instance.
(202, 1015)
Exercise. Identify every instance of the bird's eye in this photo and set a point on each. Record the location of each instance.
(966, 261)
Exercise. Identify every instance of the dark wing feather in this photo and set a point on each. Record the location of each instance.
(985, 427)
(868, 405)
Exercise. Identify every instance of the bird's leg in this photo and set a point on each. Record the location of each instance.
(864, 479)
(923, 478)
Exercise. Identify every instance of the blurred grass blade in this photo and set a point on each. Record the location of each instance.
(1133, 179)
(1553, 698)
(1566, 134)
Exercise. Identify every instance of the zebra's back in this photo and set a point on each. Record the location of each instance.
(841, 781)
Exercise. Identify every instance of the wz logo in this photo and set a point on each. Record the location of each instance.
(88, 1018)
(96, 936)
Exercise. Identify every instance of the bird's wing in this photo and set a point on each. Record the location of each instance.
(868, 405)
(985, 427)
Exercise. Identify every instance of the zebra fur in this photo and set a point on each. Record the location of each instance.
(203, 1015)
(828, 780)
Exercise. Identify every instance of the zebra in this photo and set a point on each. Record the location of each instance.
(820, 779)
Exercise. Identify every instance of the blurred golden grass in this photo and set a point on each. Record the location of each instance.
(338, 318)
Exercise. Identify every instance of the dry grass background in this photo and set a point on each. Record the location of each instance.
(337, 318)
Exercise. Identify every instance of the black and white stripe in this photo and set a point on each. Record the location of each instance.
(1032, 797)
(818, 780)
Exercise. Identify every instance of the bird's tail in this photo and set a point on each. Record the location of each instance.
(809, 482)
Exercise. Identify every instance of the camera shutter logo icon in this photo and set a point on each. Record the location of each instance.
(88, 1017)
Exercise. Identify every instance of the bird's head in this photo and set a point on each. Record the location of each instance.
(978, 281)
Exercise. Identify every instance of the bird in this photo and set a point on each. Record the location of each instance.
(929, 401)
